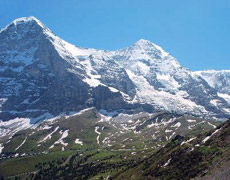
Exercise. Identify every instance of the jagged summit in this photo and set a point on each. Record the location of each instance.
(26, 20)
(21, 20)
(20, 40)
(143, 56)
(143, 49)
(143, 42)
(148, 46)
(23, 26)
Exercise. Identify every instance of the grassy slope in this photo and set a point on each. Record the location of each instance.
(186, 161)
(27, 164)
(83, 127)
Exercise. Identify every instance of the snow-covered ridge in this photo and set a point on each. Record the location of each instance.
(142, 74)
(11, 127)
(25, 20)
(212, 71)
(213, 77)
(143, 44)
(217, 79)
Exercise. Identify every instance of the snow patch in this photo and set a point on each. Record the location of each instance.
(214, 126)
(168, 130)
(1, 148)
(60, 141)
(98, 137)
(105, 141)
(214, 102)
(171, 135)
(191, 120)
(188, 141)
(113, 89)
(224, 96)
(49, 136)
(208, 137)
(167, 163)
(106, 116)
(21, 144)
(72, 114)
(177, 125)
(11, 127)
(78, 141)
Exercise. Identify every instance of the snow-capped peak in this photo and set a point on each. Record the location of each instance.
(27, 22)
(143, 42)
(148, 46)
(143, 50)
(145, 56)
(26, 19)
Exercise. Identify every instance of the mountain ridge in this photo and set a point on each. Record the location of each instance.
(140, 74)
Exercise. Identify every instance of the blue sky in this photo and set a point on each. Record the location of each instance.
(196, 32)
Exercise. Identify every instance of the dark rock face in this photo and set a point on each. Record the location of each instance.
(104, 99)
(45, 84)
(178, 138)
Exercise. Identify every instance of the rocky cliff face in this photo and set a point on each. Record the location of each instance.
(42, 75)
(37, 79)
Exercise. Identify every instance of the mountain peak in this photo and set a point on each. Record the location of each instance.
(149, 47)
(26, 19)
(30, 19)
(27, 22)
(143, 42)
